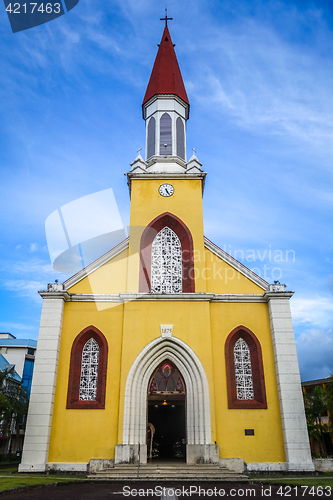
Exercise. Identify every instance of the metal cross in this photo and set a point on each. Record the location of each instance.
(166, 18)
(138, 151)
(194, 151)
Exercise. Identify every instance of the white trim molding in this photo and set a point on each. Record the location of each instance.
(295, 434)
(235, 264)
(198, 419)
(38, 430)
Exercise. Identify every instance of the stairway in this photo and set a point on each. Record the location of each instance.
(168, 472)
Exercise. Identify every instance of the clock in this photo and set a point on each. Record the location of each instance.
(166, 190)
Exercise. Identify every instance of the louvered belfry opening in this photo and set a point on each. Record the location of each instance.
(165, 135)
(151, 137)
(180, 138)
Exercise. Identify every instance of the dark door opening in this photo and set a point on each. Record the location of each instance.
(169, 423)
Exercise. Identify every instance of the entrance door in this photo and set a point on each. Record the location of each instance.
(166, 427)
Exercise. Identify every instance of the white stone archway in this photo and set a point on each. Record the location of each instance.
(198, 419)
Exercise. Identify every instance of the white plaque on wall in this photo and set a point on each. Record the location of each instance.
(166, 330)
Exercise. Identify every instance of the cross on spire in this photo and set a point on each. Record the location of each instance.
(166, 18)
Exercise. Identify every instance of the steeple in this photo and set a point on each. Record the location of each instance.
(166, 77)
(165, 110)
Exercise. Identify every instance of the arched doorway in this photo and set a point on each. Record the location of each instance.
(166, 427)
(199, 447)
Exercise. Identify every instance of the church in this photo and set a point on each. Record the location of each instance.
(166, 348)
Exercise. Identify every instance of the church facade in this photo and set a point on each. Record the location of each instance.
(166, 347)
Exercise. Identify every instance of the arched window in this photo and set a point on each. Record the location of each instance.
(151, 137)
(170, 256)
(166, 263)
(165, 135)
(245, 371)
(180, 138)
(87, 371)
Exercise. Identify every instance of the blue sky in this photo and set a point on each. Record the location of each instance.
(259, 77)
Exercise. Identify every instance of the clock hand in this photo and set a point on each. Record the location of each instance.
(167, 192)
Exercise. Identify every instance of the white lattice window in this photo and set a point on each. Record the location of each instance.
(89, 371)
(243, 370)
(166, 263)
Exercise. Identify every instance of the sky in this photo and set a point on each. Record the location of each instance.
(259, 77)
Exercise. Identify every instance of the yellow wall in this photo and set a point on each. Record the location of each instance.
(267, 443)
(222, 278)
(185, 203)
(79, 435)
(109, 278)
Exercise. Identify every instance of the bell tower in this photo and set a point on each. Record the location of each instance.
(166, 189)
(166, 110)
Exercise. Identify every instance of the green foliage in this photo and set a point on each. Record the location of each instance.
(318, 405)
(13, 402)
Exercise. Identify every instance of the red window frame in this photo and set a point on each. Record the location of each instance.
(73, 400)
(185, 237)
(259, 401)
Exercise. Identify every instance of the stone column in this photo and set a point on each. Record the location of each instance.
(296, 440)
(38, 429)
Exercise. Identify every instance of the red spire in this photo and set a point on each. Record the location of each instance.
(166, 77)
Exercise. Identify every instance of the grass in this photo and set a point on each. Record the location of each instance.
(296, 481)
(9, 478)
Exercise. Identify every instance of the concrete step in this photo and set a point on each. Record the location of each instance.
(166, 472)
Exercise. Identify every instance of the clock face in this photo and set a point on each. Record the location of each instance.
(166, 190)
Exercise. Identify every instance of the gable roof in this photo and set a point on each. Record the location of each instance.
(166, 77)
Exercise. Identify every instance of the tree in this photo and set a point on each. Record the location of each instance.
(315, 409)
(13, 403)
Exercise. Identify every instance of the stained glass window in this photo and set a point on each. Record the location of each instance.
(166, 379)
(89, 371)
(166, 263)
(243, 370)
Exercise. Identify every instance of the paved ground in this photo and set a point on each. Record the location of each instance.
(115, 491)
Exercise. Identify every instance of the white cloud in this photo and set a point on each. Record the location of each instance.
(25, 288)
(316, 310)
(315, 353)
(8, 326)
(33, 247)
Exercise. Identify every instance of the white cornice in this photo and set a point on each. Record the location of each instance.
(235, 264)
(64, 295)
(278, 295)
(167, 296)
(94, 297)
(239, 297)
(173, 297)
(97, 263)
